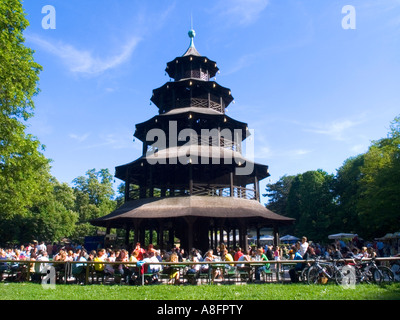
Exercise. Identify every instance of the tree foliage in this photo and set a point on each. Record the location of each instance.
(33, 204)
(19, 73)
(379, 204)
(310, 201)
(24, 170)
(347, 194)
(94, 198)
(362, 197)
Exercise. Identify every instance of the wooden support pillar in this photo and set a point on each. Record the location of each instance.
(171, 237)
(160, 235)
(136, 236)
(127, 231)
(143, 185)
(276, 235)
(127, 186)
(142, 234)
(256, 189)
(151, 186)
(190, 179)
(190, 222)
(215, 237)
(243, 237)
(150, 235)
(234, 237)
(258, 237)
(231, 182)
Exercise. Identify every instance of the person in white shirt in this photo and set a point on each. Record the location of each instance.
(40, 267)
(303, 246)
(153, 268)
(42, 247)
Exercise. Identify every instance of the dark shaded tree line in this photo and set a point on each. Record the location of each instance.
(362, 197)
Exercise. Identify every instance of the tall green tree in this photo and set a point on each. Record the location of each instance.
(24, 171)
(53, 218)
(19, 73)
(94, 198)
(311, 203)
(347, 192)
(277, 194)
(379, 201)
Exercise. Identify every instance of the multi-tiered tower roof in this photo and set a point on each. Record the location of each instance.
(192, 179)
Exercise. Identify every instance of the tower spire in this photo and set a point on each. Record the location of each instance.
(192, 49)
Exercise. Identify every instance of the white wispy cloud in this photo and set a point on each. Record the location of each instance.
(79, 138)
(336, 130)
(359, 148)
(83, 61)
(243, 12)
(116, 140)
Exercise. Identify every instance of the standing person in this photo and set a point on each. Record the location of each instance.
(303, 246)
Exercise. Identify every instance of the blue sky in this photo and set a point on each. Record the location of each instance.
(314, 93)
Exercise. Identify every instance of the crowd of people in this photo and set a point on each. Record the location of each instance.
(138, 260)
(339, 249)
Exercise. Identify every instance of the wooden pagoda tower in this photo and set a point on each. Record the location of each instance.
(187, 183)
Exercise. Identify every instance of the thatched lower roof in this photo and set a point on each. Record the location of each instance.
(195, 206)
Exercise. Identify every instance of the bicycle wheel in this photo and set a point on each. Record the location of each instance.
(359, 276)
(303, 274)
(339, 276)
(346, 276)
(383, 275)
(313, 275)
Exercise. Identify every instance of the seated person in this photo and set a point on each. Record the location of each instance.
(174, 272)
(298, 267)
(122, 270)
(194, 269)
(243, 267)
(260, 256)
(152, 268)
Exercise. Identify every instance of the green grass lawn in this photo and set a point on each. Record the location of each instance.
(30, 291)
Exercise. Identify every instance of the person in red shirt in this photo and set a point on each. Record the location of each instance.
(238, 254)
(140, 251)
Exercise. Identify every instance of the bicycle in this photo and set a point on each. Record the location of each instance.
(322, 272)
(370, 272)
